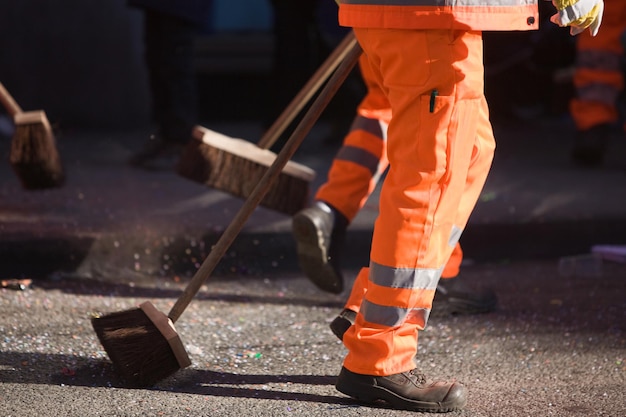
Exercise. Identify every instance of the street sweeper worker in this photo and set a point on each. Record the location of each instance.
(598, 83)
(170, 29)
(427, 59)
(319, 230)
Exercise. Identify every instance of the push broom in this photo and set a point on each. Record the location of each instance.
(233, 165)
(142, 343)
(33, 155)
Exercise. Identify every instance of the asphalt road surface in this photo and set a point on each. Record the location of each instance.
(260, 346)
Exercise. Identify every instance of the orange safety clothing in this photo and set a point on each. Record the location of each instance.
(599, 76)
(438, 164)
(362, 159)
(439, 146)
(432, 14)
(359, 286)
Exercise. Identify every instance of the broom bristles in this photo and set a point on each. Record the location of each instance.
(137, 348)
(208, 165)
(33, 155)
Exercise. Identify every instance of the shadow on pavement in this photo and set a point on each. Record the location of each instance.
(69, 370)
(86, 287)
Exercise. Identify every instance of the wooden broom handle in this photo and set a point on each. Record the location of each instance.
(310, 88)
(262, 187)
(8, 102)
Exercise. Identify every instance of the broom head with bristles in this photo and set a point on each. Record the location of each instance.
(34, 155)
(235, 166)
(142, 344)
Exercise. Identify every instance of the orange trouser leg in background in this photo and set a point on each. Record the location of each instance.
(362, 158)
(439, 158)
(598, 77)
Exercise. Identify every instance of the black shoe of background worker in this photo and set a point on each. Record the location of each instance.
(406, 391)
(590, 146)
(320, 232)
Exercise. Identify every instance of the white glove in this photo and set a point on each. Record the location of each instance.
(579, 15)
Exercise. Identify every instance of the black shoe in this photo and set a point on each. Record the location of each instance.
(405, 391)
(319, 232)
(453, 296)
(156, 151)
(590, 146)
(342, 322)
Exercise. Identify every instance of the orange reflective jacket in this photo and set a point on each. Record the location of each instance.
(440, 14)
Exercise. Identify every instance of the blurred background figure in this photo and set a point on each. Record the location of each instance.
(170, 29)
(599, 83)
(305, 33)
(528, 74)
(297, 48)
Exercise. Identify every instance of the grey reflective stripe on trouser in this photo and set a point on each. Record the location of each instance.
(393, 316)
(441, 3)
(598, 60)
(369, 125)
(404, 278)
(455, 235)
(358, 155)
(603, 93)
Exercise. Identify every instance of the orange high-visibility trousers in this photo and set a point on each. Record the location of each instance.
(440, 147)
(359, 286)
(598, 76)
(362, 159)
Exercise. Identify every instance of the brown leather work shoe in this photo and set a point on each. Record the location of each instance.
(405, 391)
